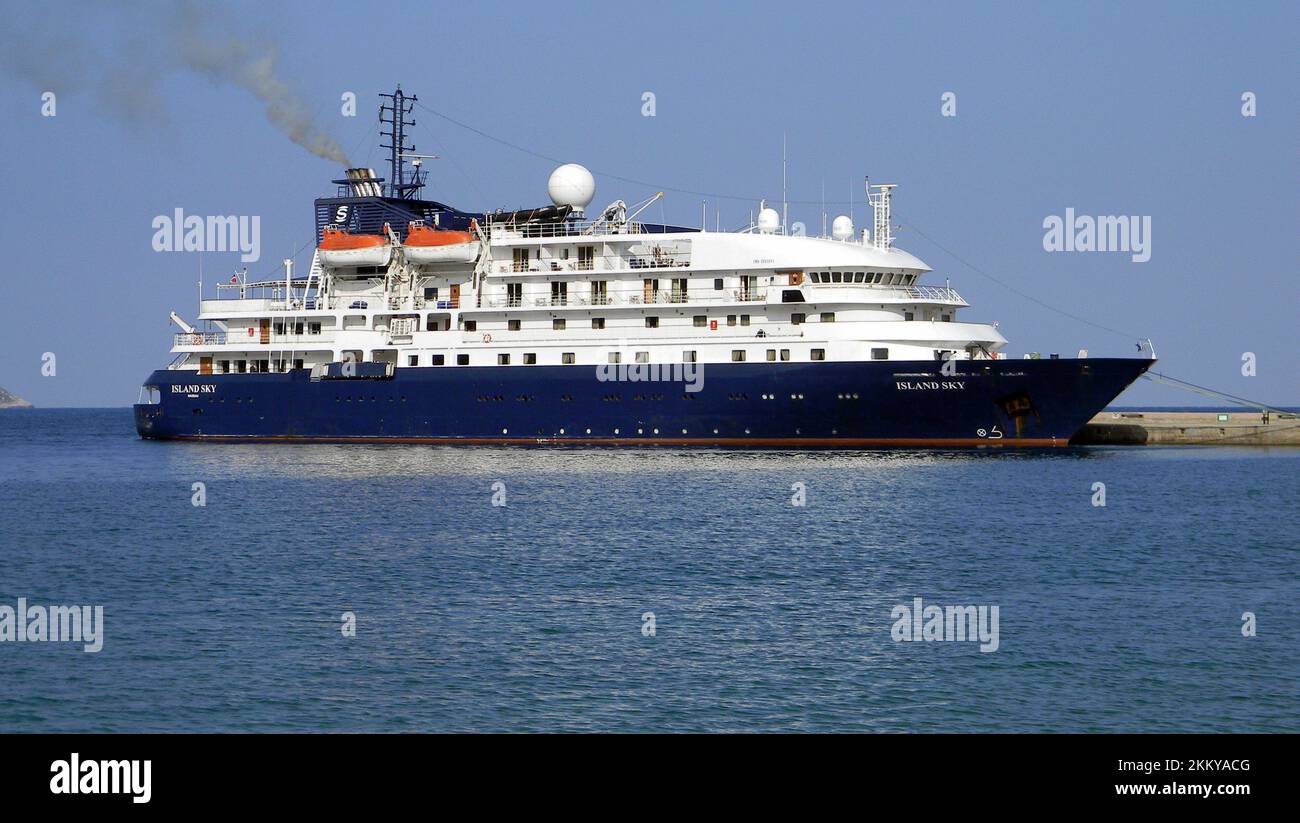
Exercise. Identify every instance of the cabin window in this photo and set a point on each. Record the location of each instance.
(700, 321)
(947, 318)
(557, 324)
(437, 360)
(785, 355)
(818, 354)
(430, 324)
(614, 357)
(731, 320)
(652, 322)
(737, 355)
(828, 317)
(771, 355)
(462, 360)
(598, 322)
(568, 358)
(313, 328)
(690, 356)
(503, 360)
(907, 315)
(797, 318)
(880, 354)
(512, 325)
(471, 325)
(297, 363)
(717, 284)
(521, 260)
(643, 357)
(559, 293)
(530, 358)
(599, 293)
(586, 257)
(412, 359)
(430, 292)
(744, 320)
(278, 327)
(514, 294)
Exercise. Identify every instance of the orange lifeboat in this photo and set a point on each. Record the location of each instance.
(425, 244)
(339, 248)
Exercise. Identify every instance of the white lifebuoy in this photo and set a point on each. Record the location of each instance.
(487, 338)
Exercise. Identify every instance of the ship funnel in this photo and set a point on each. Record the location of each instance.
(364, 183)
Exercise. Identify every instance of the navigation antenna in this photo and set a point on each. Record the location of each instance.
(883, 236)
(396, 114)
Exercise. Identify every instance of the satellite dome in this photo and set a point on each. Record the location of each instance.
(768, 221)
(842, 227)
(571, 185)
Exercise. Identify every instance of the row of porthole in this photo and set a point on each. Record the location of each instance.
(338, 398)
(222, 400)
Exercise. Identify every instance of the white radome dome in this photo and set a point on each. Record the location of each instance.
(571, 185)
(842, 227)
(768, 221)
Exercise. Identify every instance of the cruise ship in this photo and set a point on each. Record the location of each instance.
(421, 323)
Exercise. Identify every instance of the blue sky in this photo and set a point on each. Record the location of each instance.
(1109, 109)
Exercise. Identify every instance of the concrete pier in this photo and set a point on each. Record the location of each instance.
(1189, 429)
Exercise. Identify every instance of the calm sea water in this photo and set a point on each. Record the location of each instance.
(767, 616)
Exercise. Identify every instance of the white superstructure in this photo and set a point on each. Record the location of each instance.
(593, 292)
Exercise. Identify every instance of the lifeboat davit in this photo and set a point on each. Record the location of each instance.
(339, 248)
(429, 245)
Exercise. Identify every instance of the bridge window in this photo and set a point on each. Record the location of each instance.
(836, 277)
(857, 276)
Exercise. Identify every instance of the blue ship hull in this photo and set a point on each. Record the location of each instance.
(888, 403)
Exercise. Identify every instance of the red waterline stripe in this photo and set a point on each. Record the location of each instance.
(1033, 442)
